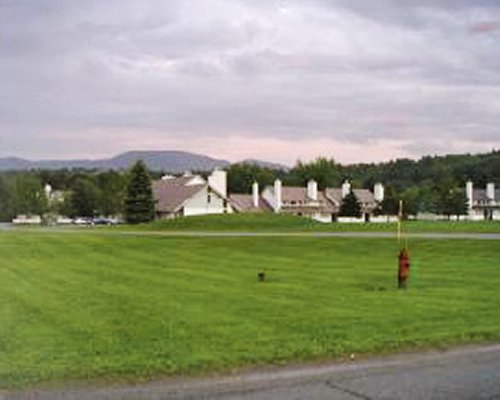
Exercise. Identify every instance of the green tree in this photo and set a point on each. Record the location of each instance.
(411, 201)
(28, 196)
(350, 206)
(454, 202)
(83, 198)
(112, 191)
(390, 204)
(241, 176)
(6, 206)
(139, 202)
(322, 170)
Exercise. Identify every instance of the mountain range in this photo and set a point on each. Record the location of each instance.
(168, 161)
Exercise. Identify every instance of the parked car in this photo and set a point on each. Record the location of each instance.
(103, 221)
(83, 221)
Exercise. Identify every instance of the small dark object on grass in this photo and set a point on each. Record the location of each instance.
(261, 276)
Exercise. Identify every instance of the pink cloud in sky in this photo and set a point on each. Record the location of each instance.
(232, 148)
(238, 147)
(485, 27)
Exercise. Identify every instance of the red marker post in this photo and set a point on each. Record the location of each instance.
(404, 268)
(403, 256)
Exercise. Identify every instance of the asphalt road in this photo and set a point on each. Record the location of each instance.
(179, 233)
(459, 374)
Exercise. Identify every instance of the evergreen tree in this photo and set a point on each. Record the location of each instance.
(350, 206)
(139, 202)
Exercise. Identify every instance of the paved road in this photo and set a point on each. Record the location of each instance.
(465, 373)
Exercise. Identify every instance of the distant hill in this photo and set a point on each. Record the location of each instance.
(265, 164)
(168, 161)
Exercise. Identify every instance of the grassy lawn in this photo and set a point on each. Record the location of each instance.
(85, 307)
(289, 223)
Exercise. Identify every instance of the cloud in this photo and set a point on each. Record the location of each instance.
(485, 27)
(83, 77)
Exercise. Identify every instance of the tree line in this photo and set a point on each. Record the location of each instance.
(83, 193)
(431, 184)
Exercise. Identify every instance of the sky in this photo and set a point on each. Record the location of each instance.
(353, 80)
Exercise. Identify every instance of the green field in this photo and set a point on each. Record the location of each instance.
(108, 307)
(288, 223)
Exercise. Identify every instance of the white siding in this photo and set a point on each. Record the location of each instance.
(199, 204)
(269, 197)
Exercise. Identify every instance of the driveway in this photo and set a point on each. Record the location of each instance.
(462, 373)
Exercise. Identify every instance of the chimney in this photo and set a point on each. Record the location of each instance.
(255, 194)
(277, 195)
(346, 188)
(312, 190)
(490, 191)
(218, 181)
(378, 192)
(469, 190)
(48, 190)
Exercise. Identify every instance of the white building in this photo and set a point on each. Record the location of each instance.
(191, 195)
(483, 203)
(320, 205)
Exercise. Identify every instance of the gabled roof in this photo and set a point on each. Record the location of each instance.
(295, 198)
(297, 194)
(244, 202)
(363, 195)
(290, 193)
(170, 194)
(334, 195)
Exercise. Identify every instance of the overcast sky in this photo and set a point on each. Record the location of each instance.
(357, 80)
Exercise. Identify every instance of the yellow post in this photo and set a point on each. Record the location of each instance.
(400, 218)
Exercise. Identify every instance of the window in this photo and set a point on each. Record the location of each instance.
(209, 198)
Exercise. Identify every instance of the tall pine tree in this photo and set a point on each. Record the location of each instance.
(139, 202)
(350, 206)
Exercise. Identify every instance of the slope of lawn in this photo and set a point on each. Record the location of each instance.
(268, 222)
(85, 307)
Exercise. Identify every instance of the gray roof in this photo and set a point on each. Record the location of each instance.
(299, 194)
(296, 198)
(244, 202)
(364, 195)
(480, 195)
(171, 194)
(329, 200)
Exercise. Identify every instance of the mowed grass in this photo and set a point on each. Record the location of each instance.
(269, 222)
(101, 307)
